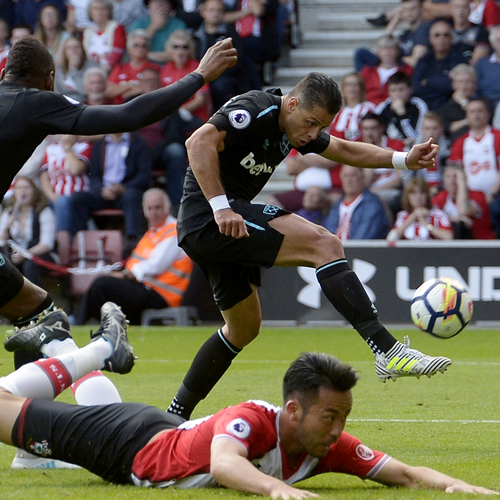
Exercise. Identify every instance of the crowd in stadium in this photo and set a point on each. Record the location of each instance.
(433, 72)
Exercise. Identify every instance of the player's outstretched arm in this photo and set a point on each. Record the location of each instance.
(361, 154)
(396, 473)
(155, 106)
(230, 467)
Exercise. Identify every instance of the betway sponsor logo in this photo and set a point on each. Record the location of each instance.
(249, 163)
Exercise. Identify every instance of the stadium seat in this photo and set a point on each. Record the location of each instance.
(92, 249)
(181, 315)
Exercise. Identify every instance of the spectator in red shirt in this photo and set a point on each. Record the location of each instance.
(64, 172)
(387, 49)
(467, 210)
(123, 81)
(180, 51)
(105, 42)
(346, 122)
(419, 220)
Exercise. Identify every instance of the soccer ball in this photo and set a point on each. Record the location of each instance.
(441, 307)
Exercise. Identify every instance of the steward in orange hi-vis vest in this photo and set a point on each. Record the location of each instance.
(173, 282)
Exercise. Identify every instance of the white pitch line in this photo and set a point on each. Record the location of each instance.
(417, 421)
(287, 362)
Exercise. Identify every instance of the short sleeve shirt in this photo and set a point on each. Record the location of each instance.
(255, 426)
(27, 116)
(254, 146)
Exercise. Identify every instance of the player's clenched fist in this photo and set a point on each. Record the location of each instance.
(231, 223)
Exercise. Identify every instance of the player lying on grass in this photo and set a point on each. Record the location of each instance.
(253, 446)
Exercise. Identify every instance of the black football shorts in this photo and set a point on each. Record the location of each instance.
(231, 264)
(103, 439)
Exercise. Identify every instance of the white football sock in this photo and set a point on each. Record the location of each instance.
(95, 389)
(60, 372)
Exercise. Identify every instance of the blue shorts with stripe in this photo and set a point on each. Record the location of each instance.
(231, 264)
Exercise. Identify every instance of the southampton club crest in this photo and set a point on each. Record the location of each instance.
(240, 118)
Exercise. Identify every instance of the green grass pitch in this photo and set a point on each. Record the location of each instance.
(450, 422)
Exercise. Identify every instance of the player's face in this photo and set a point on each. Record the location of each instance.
(303, 125)
(322, 423)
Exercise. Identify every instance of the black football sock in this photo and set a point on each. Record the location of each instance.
(210, 363)
(22, 357)
(346, 293)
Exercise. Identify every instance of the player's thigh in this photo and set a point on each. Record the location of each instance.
(10, 408)
(305, 243)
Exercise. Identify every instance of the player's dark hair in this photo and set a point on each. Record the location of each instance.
(313, 370)
(399, 77)
(318, 89)
(28, 60)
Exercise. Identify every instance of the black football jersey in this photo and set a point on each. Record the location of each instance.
(27, 116)
(254, 146)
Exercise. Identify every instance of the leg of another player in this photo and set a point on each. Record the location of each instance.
(10, 408)
(242, 324)
(21, 302)
(25, 303)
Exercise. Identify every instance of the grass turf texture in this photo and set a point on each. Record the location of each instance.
(450, 422)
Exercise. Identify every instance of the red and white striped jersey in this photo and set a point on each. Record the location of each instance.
(346, 123)
(479, 158)
(415, 231)
(62, 182)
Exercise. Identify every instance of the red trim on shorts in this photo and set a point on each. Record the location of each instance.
(80, 381)
(20, 420)
(57, 373)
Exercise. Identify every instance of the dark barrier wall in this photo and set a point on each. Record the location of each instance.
(390, 275)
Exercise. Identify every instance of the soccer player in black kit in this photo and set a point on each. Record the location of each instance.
(29, 111)
(231, 158)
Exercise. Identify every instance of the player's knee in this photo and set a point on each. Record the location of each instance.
(328, 246)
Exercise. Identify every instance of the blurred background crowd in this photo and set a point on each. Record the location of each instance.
(434, 72)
